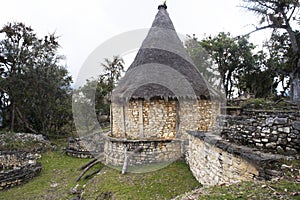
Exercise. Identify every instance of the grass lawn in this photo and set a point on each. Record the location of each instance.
(165, 183)
(57, 177)
(256, 190)
(59, 173)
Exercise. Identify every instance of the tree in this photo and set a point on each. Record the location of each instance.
(107, 81)
(35, 87)
(281, 58)
(112, 71)
(257, 79)
(240, 69)
(92, 99)
(203, 61)
(232, 56)
(280, 14)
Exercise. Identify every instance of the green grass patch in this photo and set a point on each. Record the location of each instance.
(59, 174)
(57, 177)
(253, 190)
(165, 183)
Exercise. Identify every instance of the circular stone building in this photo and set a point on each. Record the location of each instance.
(161, 96)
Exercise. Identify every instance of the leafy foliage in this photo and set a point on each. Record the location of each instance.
(107, 81)
(34, 86)
(203, 61)
(238, 66)
(281, 14)
(92, 100)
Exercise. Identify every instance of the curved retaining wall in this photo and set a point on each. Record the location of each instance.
(76, 148)
(214, 161)
(152, 151)
(17, 167)
(85, 147)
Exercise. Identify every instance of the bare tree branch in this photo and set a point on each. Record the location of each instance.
(259, 29)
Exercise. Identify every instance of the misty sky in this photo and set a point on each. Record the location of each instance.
(84, 25)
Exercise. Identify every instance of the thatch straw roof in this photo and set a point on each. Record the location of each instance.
(162, 68)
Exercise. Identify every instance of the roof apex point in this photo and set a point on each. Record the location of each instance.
(163, 6)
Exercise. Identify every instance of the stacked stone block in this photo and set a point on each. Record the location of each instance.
(273, 130)
(17, 167)
(214, 161)
(152, 151)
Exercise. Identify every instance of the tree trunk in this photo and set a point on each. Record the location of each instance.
(294, 76)
(295, 87)
(127, 156)
(12, 125)
(111, 113)
(23, 120)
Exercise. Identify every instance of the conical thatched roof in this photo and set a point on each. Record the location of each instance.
(162, 68)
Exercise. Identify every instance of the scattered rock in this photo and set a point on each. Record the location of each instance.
(296, 194)
(286, 166)
(264, 186)
(75, 190)
(54, 185)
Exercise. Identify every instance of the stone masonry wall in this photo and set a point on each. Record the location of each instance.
(163, 119)
(16, 168)
(152, 151)
(86, 147)
(269, 130)
(158, 119)
(214, 161)
(200, 116)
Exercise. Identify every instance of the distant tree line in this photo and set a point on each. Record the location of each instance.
(240, 68)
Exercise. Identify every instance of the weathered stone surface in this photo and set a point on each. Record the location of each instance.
(17, 167)
(296, 125)
(86, 147)
(271, 127)
(271, 145)
(264, 140)
(282, 121)
(286, 129)
(152, 151)
(209, 157)
(161, 119)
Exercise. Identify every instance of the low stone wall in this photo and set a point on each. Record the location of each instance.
(269, 130)
(76, 148)
(24, 142)
(17, 167)
(85, 147)
(152, 151)
(214, 161)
